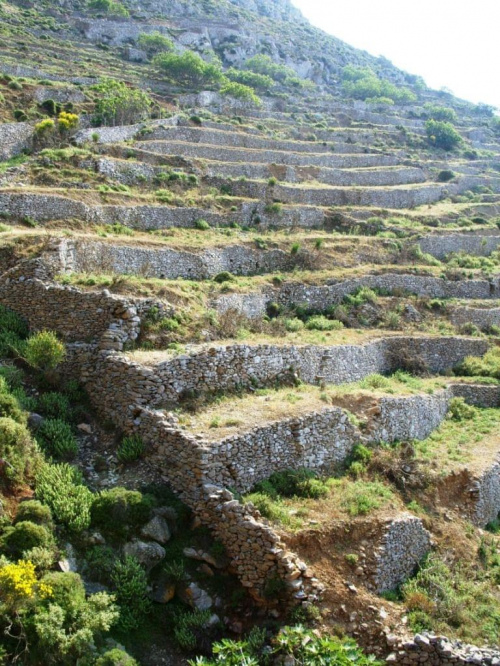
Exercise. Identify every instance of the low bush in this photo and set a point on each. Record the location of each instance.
(18, 451)
(61, 487)
(298, 645)
(35, 512)
(155, 42)
(292, 483)
(24, 536)
(56, 439)
(442, 135)
(120, 512)
(54, 405)
(43, 351)
(10, 408)
(459, 410)
(322, 323)
(131, 589)
(485, 366)
(445, 176)
(116, 657)
(188, 69)
(131, 449)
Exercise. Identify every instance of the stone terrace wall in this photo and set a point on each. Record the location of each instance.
(481, 317)
(321, 297)
(268, 156)
(404, 544)
(164, 262)
(76, 315)
(14, 138)
(238, 366)
(233, 139)
(441, 246)
(441, 651)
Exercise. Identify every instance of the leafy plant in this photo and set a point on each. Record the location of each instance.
(60, 486)
(131, 585)
(132, 448)
(43, 351)
(56, 439)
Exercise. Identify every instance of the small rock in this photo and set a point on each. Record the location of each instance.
(196, 597)
(85, 427)
(35, 421)
(147, 554)
(69, 562)
(163, 593)
(157, 530)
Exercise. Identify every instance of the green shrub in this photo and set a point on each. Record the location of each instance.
(68, 590)
(116, 657)
(442, 135)
(202, 225)
(188, 69)
(131, 448)
(35, 512)
(224, 276)
(294, 325)
(298, 645)
(131, 586)
(43, 351)
(12, 322)
(155, 42)
(23, 536)
(117, 104)
(292, 483)
(322, 323)
(459, 410)
(120, 511)
(61, 488)
(363, 83)
(486, 366)
(240, 91)
(10, 408)
(445, 176)
(56, 439)
(100, 563)
(54, 405)
(18, 450)
(444, 113)
(67, 624)
(361, 296)
(111, 7)
(252, 79)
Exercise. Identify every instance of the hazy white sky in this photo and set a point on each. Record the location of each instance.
(450, 43)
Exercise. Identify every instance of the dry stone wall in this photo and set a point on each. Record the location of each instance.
(441, 246)
(440, 651)
(322, 297)
(14, 138)
(164, 262)
(76, 315)
(404, 544)
(483, 318)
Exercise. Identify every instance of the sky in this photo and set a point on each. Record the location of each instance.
(450, 43)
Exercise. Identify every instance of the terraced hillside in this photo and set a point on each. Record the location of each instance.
(275, 272)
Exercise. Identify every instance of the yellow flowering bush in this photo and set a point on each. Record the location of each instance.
(67, 121)
(19, 584)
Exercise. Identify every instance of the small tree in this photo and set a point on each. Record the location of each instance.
(442, 135)
(43, 351)
(436, 112)
(111, 7)
(240, 91)
(155, 42)
(117, 104)
(189, 69)
(252, 79)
